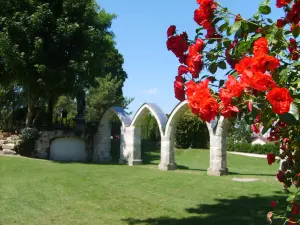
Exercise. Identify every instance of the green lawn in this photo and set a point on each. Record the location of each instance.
(37, 192)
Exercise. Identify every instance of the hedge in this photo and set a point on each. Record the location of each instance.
(257, 149)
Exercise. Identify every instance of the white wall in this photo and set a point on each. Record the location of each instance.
(68, 149)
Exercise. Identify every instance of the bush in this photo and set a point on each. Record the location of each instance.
(191, 132)
(257, 149)
(28, 137)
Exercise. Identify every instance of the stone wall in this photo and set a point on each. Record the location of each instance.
(9, 144)
(43, 143)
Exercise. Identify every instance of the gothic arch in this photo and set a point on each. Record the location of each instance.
(156, 111)
(101, 147)
(135, 129)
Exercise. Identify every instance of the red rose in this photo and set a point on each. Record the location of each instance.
(295, 210)
(182, 70)
(179, 88)
(178, 44)
(293, 15)
(280, 23)
(209, 109)
(260, 46)
(244, 64)
(280, 100)
(229, 111)
(270, 158)
(281, 3)
(255, 128)
(171, 30)
(280, 176)
(194, 58)
(273, 204)
(262, 82)
(263, 63)
(291, 222)
(225, 96)
(234, 86)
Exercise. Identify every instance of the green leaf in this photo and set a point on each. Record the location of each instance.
(199, 29)
(217, 20)
(290, 198)
(294, 111)
(221, 83)
(270, 20)
(288, 118)
(222, 65)
(296, 32)
(295, 64)
(213, 68)
(226, 42)
(256, 16)
(223, 27)
(264, 9)
(236, 26)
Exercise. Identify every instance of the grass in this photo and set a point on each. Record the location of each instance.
(40, 192)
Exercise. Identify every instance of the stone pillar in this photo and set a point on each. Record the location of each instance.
(101, 153)
(122, 159)
(133, 145)
(218, 135)
(167, 160)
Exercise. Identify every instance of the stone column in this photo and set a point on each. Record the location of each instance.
(122, 159)
(101, 153)
(167, 160)
(218, 135)
(133, 145)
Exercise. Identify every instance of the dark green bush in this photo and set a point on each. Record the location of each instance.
(28, 137)
(191, 132)
(257, 149)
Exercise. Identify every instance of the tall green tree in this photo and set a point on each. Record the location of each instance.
(57, 47)
(104, 95)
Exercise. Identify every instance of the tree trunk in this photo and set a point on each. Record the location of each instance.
(37, 114)
(218, 134)
(30, 110)
(50, 112)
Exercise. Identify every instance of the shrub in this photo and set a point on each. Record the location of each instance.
(191, 132)
(28, 137)
(257, 149)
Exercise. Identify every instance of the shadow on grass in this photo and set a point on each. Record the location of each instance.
(181, 167)
(244, 210)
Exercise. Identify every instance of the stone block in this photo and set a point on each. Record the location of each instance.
(8, 152)
(170, 166)
(217, 172)
(8, 146)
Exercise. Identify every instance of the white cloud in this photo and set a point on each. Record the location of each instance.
(151, 91)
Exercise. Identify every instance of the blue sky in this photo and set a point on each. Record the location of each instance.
(140, 30)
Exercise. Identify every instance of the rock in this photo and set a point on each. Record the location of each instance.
(8, 152)
(8, 146)
(3, 142)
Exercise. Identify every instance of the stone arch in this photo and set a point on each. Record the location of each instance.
(101, 146)
(167, 161)
(134, 134)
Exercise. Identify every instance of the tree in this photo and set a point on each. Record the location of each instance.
(104, 95)
(191, 132)
(240, 132)
(65, 106)
(260, 58)
(52, 48)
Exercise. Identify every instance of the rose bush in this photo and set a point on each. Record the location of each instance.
(259, 59)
